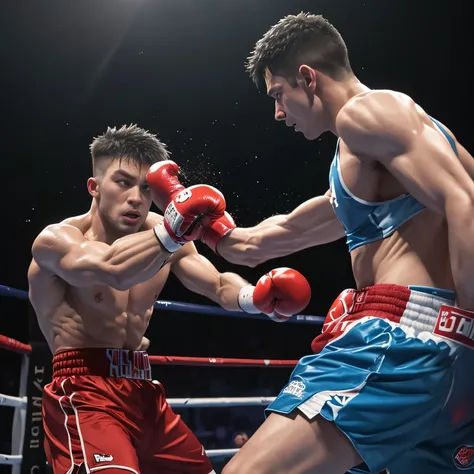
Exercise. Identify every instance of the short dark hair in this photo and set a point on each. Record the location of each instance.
(295, 40)
(129, 143)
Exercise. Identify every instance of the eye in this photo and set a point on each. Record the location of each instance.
(123, 182)
(278, 96)
(146, 187)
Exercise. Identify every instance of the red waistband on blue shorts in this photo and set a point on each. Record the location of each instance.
(414, 311)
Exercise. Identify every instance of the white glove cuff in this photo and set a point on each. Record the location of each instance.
(164, 238)
(246, 300)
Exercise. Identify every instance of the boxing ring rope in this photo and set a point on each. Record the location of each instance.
(211, 361)
(15, 402)
(163, 305)
(17, 346)
(14, 345)
(20, 403)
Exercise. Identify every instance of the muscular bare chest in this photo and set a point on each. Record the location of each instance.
(366, 179)
(137, 301)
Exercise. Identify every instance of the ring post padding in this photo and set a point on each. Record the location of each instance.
(39, 374)
(19, 416)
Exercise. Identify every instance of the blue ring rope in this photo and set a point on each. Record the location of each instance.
(190, 308)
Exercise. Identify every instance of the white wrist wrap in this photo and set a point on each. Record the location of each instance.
(164, 238)
(173, 217)
(246, 300)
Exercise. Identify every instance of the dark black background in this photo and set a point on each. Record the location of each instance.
(176, 67)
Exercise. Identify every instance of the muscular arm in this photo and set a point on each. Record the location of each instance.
(310, 224)
(63, 250)
(198, 274)
(390, 128)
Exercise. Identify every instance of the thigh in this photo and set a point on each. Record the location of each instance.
(171, 446)
(79, 436)
(292, 444)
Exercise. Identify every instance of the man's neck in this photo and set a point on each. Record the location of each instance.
(335, 95)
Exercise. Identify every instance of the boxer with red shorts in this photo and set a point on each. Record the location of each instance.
(389, 381)
(103, 411)
(93, 282)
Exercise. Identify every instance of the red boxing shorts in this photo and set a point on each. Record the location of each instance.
(102, 411)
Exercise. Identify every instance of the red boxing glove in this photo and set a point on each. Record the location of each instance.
(279, 294)
(188, 215)
(217, 230)
(164, 183)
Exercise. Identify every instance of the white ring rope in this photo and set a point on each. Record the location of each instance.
(219, 402)
(9, 401)
(217, 453)
(12, 459)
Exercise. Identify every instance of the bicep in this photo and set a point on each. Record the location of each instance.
(64, 252)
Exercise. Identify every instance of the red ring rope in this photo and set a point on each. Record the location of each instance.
(14, 345)
(17, 346)
(229, 362)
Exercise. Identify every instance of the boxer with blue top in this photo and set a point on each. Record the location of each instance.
(389, 383)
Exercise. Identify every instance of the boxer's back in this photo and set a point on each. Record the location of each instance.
(91, 316)
(404, 243)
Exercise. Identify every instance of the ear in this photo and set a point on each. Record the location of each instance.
(93, 186)
(309, 77)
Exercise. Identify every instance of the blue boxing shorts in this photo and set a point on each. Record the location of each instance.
(393, 369)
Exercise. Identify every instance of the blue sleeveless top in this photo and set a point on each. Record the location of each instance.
(367, 222)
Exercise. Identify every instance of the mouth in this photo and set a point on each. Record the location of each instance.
(132, 216)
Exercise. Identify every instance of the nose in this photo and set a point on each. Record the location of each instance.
(135, 196)
(279, 113)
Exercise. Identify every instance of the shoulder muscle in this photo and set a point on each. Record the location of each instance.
(379, 123)
(54, 241)
(63, 250)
